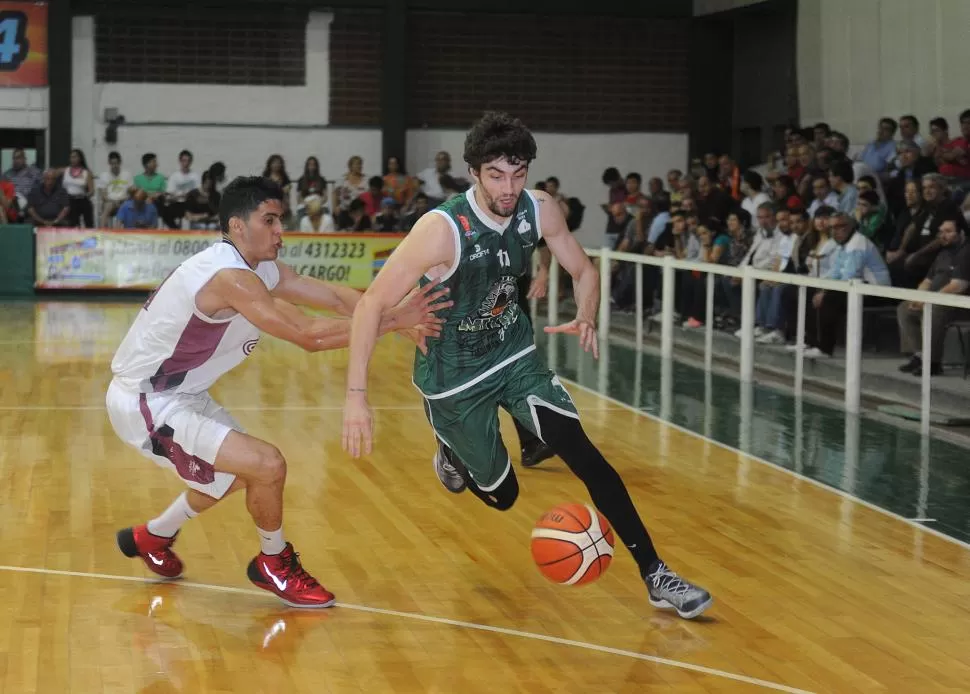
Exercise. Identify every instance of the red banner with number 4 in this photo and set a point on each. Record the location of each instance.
(23, 44)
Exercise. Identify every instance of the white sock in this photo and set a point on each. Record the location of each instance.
(167, 524)
(271, 541)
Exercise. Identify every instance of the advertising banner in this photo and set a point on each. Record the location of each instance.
(118, 259)
(23, 44)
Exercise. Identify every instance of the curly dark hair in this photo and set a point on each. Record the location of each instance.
(499, 135)
(244, 195)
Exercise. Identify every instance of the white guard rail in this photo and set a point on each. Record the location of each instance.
(855, 289)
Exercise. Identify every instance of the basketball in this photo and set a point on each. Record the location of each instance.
(572, 544)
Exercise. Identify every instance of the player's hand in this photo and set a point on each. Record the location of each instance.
(540, 285)
(358, 426)
(419, 307)
(419, 334)
(582, 327)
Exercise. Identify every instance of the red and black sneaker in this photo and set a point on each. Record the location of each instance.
(283, 575)
(155, 551)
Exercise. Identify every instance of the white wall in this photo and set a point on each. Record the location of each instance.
(860, 60)
(576, 160)
(240, 126)
(23, 107)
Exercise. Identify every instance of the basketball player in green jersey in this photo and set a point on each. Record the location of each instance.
(476, 245)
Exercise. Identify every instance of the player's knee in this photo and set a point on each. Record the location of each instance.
(503, 497)
(272, 466)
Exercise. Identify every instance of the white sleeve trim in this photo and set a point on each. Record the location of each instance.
(457, 236)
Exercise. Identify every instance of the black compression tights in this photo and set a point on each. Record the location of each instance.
(606, 488)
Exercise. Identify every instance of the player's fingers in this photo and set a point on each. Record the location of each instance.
(344, 438)
(431, 298)
(564, 328)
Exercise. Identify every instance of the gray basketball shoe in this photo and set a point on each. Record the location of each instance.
(669, 591)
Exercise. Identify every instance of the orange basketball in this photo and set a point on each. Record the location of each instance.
(572, 544)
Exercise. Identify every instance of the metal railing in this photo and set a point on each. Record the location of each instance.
(749, 276)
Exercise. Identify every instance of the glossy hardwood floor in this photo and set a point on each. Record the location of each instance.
(437, 593)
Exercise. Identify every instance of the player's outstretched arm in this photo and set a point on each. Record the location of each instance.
(586, 280)
(309, 291)
(246, 293)
(430, 247)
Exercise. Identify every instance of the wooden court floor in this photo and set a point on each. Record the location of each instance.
(813, 592)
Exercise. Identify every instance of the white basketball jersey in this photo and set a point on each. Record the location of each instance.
(172, 346)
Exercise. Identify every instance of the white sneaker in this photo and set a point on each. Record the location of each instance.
(794, 348)
(775, 337)
(758, 332)
(815, 353)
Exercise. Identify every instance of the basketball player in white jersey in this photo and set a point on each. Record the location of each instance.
(202, 321)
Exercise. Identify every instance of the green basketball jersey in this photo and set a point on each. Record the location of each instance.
(485, 330)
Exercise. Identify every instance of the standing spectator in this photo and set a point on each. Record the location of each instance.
(421, 206)
(316, 220)
(751, 184)
(78, 182)
(430, 178)
(633, 192)
(841, 179)
(373, 196)
(276, 171)
(180, 184)
(150, 181)
(949, 274)
(113, 187)
(554, 191)
(23, 177)
(310, 183)
(879, 153)
(348, 189)
(48, 204)
(397, 184)
(138, 212)
(616, 189)
(856, 258)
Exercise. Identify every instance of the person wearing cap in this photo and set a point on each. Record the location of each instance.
(316, 220)
(387, 219)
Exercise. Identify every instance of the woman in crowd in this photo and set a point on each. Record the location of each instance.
(310, 183)
(350, 186)
(78, 182)
(276, 171)
(397, 184)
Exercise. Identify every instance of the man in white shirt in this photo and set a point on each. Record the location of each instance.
(770, 308)
(754, 197)
(113, 186)
(180, 184)
(430, 178)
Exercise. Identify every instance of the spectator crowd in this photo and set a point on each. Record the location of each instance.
(894, 213)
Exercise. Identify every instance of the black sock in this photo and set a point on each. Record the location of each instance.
(606, 488)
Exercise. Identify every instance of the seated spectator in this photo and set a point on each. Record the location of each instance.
(952, 156)
(949, 274)
(275, 170)
(870, 214)
(821, 132)
(357, 217)
(879, 154)
(738, 243)
(751, 186)
(713, 204)
(179, 185)
(817, 248)
(453, 187)
(113, 186)
(310, 183)
(430, 178)
(656, 191)
(150, 180)
(350, 186)
(785, 194)
(138, 212)
(897, 252)
(673, 182)
(841, 179)
(909, 132)
(729, 177)
(856, 258)
(202, 205)
(919, 242)
(23, 176)
(694, 285)
(824, 196)
(9, 204)
(420, 206)
(770, 313)
(316, 220)
(387, 219)
(912, 165)
(48, 204)
(397, 184)
(373, 196)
